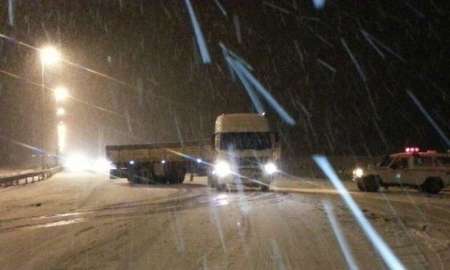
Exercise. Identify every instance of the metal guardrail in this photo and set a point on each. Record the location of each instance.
(29, 177)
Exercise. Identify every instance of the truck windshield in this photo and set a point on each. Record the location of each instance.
(247, 140)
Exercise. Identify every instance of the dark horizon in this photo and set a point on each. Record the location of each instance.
(342, 72)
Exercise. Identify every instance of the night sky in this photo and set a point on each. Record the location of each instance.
(342, 71)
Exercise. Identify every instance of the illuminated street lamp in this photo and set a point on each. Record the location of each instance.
(61, 93)
(49, 55)
(60, 112)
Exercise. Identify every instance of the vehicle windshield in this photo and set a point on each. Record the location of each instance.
(245, 140)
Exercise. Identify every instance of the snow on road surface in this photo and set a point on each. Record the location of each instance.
(86, 221)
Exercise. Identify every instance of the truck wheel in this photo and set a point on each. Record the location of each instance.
(369, 183)
(432, 185)
(174, 173)
(265, 188)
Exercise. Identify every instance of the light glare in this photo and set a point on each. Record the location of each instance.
(358, 172)
(270, 168)
(222, 168)
(61, 93)
(60, 112)
(49, 55)
(102, 165)
(77, 162)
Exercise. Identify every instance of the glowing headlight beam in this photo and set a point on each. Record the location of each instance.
(212, 165)
(49, 55)
(77, 162)
(270, 168)
(381, 247)
(222, 168)
(198, 34)
(358, 172)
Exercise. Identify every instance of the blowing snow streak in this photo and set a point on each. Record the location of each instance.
(198, 34)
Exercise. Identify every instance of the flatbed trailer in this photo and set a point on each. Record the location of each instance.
(158, 163)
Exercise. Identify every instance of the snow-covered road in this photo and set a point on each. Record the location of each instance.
(86, 221)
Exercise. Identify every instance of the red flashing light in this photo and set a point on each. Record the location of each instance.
(412, 150)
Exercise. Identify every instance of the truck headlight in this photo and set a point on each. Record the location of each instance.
(358, 172)
(222, 168)
(270, 168)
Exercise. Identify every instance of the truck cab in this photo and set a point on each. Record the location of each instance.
(428, 171)
(246, 152)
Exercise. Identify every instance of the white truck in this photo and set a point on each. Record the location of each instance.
(428, 171)
(246, 152)
(243, 151)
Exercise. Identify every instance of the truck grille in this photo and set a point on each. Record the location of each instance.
(250, 161)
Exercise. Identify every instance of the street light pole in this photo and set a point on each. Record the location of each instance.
(43, 152)
(48, 56)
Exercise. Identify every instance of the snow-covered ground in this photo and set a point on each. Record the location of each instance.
(86, 221)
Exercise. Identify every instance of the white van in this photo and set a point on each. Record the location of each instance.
(428, 171)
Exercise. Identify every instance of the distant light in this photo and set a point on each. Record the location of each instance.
(131, 162)
(102, 165)
(61, 93)
(49, 55)
(163, 161)
(60, 112)
(199, 160)
(77, 162)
